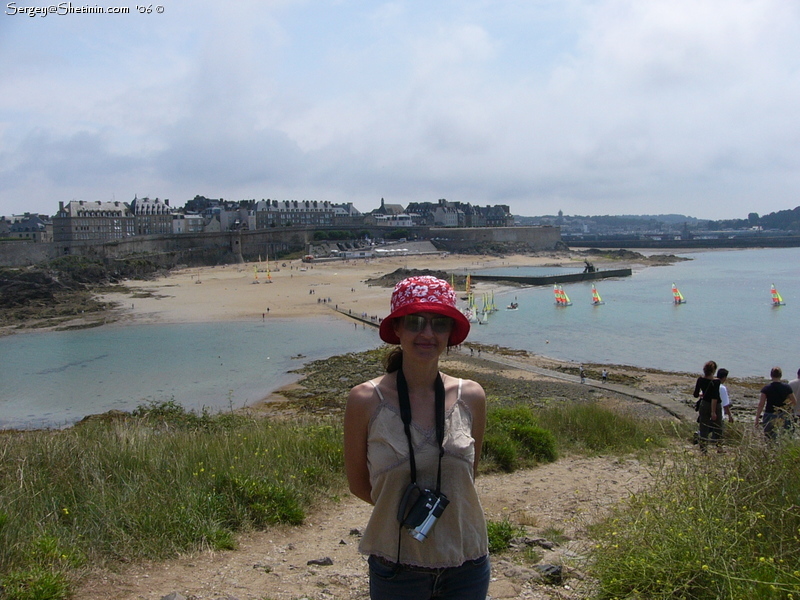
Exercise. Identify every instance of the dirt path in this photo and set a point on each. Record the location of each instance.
(561, 497)
(555, 501)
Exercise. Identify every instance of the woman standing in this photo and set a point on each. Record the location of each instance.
(412, 444)
(706, 389)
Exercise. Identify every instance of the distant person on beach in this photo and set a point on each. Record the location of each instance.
(795, 385)
(706, 390)
(412, 443)
(604, 375)
(775, 405)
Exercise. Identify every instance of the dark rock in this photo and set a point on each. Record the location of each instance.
(551, 573)
(322, 562)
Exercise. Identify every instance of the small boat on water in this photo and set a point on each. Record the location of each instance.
(561, 296)
(596, 299)
(677, 297)
(512, 306)
(777, 299)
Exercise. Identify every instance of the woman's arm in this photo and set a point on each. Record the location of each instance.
(360, 404)
(762, 400)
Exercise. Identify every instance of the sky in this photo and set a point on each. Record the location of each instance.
(592, 107)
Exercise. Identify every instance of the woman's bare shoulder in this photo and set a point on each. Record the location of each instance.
(471, 391)
(365, 393)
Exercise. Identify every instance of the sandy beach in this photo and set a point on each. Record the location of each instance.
(296, 290)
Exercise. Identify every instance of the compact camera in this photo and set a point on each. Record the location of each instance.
(424, 512)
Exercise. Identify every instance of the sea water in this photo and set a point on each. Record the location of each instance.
(51, 379)
(727, 317)
(56, 378)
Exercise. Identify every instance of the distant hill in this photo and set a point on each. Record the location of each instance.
(783, 220)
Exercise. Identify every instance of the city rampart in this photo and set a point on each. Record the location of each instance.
(465, 238)
(237, 246)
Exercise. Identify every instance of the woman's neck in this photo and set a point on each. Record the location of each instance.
(420, 376)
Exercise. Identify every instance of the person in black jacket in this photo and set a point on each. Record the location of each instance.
(776, 402)
(706, 389)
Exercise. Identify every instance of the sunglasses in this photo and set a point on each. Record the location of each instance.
(418, 323)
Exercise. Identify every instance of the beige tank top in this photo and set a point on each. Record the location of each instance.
(460, 533)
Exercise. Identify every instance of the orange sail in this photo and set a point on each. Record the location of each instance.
(596, 299)
(677, 297)
(777, 300)
(561, 296)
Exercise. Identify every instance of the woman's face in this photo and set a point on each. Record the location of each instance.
(423, 334)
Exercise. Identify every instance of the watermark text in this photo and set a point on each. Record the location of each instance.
(67, 8)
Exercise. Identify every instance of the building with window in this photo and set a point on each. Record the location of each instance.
(151, 217)
(32, 228)
(81, 221)
(285, 213)
(187, 223)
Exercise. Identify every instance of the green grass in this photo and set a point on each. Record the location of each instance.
(716, 526)
(591, 429)
(163, 482)
(514, 440)
(501, 533)
(522, 436)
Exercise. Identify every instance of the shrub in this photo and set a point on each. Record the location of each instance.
(501, 533)
(716, 526)
(513, 440)
(589, 427)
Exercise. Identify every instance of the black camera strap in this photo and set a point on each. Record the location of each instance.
(405, 415)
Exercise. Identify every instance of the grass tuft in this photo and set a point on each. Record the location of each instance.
(501, 533)
(716, 526)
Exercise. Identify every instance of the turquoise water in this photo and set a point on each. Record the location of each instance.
(727, 317)
(53, 379)
(56, 378)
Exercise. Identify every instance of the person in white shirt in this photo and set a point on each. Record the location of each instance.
(722, 375)
(725, 401)
(795, 385)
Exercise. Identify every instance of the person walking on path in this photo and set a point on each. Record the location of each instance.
(412, 443)
(706, 390)
(776, 404)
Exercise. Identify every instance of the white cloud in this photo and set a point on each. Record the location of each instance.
(602, 106)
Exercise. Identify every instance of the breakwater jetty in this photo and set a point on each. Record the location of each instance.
(556, 278)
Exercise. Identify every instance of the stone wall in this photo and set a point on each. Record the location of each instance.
(230, 247)
(463, 238)
(24, 254)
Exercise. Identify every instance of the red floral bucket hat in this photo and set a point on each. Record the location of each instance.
(424, 294)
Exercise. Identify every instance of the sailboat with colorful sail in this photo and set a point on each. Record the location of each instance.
(596, 299)
(561, 296)
(677, 297)
(777, 299)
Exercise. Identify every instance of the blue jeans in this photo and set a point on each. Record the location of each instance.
(773, 422)
(469, 581)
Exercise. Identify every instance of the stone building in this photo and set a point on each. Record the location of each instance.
(285, 213)
(151, 217)
(29, 227)
(81, 221)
